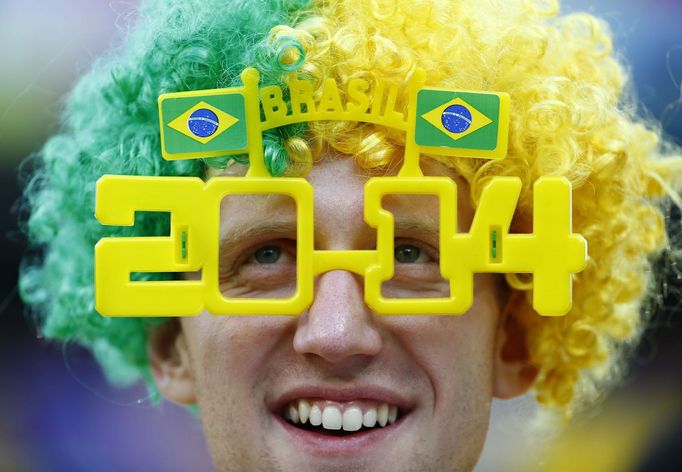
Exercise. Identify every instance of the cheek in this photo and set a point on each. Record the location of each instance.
(463, 381)
(457, 352)
(229, 358)
(468, 337)
(454, 350)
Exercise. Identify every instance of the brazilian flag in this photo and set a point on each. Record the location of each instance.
(203, 123)
(466, 124)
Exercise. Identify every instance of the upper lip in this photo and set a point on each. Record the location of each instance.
(343, 394)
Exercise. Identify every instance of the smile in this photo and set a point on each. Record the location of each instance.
(347, 422)
(339, 418)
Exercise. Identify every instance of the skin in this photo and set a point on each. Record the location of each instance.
(447, 368)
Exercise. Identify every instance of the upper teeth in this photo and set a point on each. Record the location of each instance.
(335, 417)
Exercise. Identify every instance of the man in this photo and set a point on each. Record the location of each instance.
(340, 386)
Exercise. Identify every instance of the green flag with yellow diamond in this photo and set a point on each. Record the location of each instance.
(466, 124)
(205, 123)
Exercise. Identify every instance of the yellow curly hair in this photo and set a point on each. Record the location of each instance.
(570, 117)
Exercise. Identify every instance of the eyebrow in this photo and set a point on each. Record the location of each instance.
(419, 227)
(254, 230)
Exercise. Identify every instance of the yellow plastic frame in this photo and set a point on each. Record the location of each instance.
(552, 253)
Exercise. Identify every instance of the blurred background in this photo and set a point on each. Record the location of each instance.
(57, 412)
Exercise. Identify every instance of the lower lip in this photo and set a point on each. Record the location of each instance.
(324, 445)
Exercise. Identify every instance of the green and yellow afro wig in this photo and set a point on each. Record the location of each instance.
(570, 117)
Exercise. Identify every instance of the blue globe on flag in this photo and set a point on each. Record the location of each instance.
(456, 118)
(203, 123)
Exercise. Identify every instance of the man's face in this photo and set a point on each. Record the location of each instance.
(421, 385)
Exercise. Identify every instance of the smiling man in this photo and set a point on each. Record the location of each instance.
(340, 387)
(343, 385)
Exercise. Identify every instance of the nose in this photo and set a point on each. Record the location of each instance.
(338, 326)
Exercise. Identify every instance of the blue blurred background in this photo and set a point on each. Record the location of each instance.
(57, 412)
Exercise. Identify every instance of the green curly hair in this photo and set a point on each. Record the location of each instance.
(110, 126)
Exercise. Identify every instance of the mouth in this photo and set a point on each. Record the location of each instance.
(342, 423)
(333, 418)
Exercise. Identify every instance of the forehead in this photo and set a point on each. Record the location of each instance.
(338, 184)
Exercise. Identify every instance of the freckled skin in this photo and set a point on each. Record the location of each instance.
(444, 365)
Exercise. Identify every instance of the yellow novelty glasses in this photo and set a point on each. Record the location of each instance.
(228, 121)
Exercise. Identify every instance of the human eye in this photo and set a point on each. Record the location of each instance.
(409, 253)
(415, 260)
(417, 271)
(270, 254)
(413, 251)
(266, 269)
